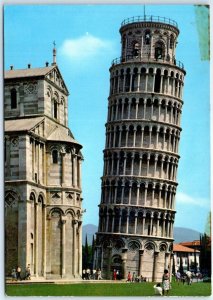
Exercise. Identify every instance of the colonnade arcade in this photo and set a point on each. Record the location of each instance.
(143, 222)
(144, 108)
(138, 193)
(151, 80)
(140, 164)
(65, 251)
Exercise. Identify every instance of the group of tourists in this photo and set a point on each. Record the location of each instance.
(133, 278)
(88, 274)
(16, 273)
(186, 277)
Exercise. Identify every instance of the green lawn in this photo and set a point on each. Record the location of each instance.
(104, 289)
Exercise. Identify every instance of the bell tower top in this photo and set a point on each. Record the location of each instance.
(149, 38)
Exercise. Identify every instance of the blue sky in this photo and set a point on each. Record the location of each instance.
(87, 40)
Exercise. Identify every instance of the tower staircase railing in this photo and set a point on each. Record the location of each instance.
(130, 58)
(146, 18)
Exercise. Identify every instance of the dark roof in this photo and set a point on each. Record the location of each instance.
(22, 124)
(181, 248)
(29, 72)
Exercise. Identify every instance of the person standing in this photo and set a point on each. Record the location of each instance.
(178, 276)
(28, 275)
(166, 282)
(18, 271)
(129, 277)
(99, 274)
(114, 275)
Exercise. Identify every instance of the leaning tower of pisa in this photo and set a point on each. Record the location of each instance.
(137, 208)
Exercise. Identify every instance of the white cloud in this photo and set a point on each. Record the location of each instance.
(182, 198)
(85, 47)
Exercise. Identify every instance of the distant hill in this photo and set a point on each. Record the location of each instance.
(89, 230)
(181, 234)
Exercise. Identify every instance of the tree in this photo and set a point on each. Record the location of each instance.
(195, 261)
(181, 265)
(188, 267)
(85, 254)
(173, 265)
(205, 254)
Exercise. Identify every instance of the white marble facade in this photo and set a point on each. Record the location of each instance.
(137, 208)
(43, 198)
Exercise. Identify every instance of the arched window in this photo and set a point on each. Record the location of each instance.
(159, 50)
(13, 94)
(55, 156)
(136, 49)
(55, 109)
(147, 37)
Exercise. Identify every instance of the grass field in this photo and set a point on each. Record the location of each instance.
(104, 289)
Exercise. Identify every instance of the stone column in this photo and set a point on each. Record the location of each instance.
(140, 262)
(159, 199)
(165, 113)
(129, 108)
(127, 223)
(122, 193)
(146, 81)
(36, 242)
(63, 257)
(144, 111)
(143, 222)
(122, 110)
(130, 193)
(159, 111)
(157, 136)
(136, 110)
(62, 168)
(74, 170)
(119, 225)
(138, 83)
(150, 135)
(147, 169)
(44, 239)
(132, 164)
(124, 170)
(145, 193)
(140, 164)
(161, 83)
(158, 220)
(134, 137)
(155, 269)
(124, 259)
(153, 83)
(166, 266)
(138, 191)
(74, 247)
(127, 137)
(151, 222)
(120, 133)
(155, 165)
(142, 135)
(136, 223)
(130, 85)
(33, 159)
(107, 222)
(109, 248)
(167, 86)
